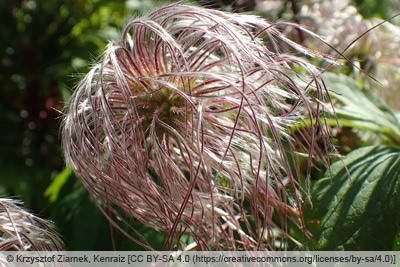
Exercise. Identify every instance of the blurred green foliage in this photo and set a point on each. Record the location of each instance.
(374, 8)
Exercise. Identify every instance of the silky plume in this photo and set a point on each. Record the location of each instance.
(21, 230)
(186, 125)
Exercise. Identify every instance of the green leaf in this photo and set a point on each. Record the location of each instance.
(358, 207)
(359, 108)
(54, 188)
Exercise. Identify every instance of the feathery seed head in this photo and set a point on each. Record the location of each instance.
(186, 123)
(23, 231)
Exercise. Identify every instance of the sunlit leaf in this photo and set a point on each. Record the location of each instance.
(359, 108)
(54, 188)
(358, 208)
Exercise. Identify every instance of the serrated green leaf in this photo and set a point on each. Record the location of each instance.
(359, 108)
(357, 208)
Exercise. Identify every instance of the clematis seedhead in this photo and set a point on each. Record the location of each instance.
(186, 125)
(23, 231)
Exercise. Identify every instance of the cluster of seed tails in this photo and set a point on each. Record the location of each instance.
(186, 124)
(23, 231)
